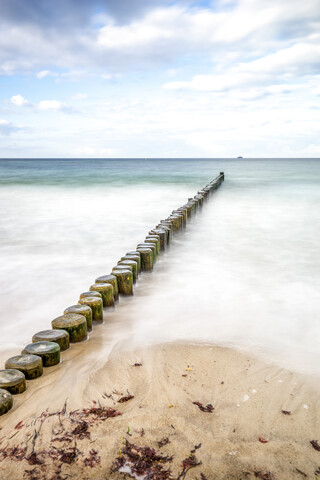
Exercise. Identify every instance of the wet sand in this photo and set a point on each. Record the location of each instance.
(259, 421)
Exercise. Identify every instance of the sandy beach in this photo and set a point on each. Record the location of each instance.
(208, 412)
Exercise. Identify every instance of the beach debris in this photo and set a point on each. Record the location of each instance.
(184, 375)
(317, 472)
(142, 432)
(171, 405)
(264, 476)
(93, 459)
(163, 442)
(69, 428)
(208, 408)
(188, 369)
(222, 383)
(202, 477)
(315, 445)
(19, 425)
(245, 398)
(305, 406)
(196, 447)
(125, 399)
(253, 391)
(263, 440)
(128, 432)
(286, 412)
(137, 365)
(81, 430)
(144, 462)
(188, 463)
(301, 472)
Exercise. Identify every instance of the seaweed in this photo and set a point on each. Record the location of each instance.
(125, 399)
(263, 440)
(69, 428)
(93, 459)
(264, 476)
(188, 463)
(315, 445)
(142, 461)
(209, 408)
(163, 442)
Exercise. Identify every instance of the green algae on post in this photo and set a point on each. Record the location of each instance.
(112, 279)
(133, 264)
(146, 258)
(136, 258)
(106, 290)
(155, 240)
(149, 245)
(161, 233)
(61, 337)
(82, 310)
(90, 294)
(125, 280)
(96, 305)
(30, 365)
(6, 401)
(74, 323)
(12, 380)
(48, 351)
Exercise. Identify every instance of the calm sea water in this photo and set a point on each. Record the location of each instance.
(245, 273)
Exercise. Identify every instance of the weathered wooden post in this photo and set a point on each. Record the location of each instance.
(74, 324)
(12, 380)
(112, 279)
(134, 267)
(125, 280)
(30, 365)
(96, 305)
(146, 258)
(136, 257)
(84, 310)
(6, 401)
(48, 351)
(106, 290)
(61, 337)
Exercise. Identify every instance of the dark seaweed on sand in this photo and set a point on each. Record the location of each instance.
(209, 408)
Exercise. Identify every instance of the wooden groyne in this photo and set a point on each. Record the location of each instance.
(78, 320)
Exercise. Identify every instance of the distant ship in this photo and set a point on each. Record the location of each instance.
(239, 157)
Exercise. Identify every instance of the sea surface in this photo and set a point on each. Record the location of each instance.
(245, 273)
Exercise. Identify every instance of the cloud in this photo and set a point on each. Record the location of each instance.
(135, 34)
(19, 101)
(52, 105)
(296, 61)
(7, 128)
(46, 73)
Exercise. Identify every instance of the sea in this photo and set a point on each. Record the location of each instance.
(245, 273)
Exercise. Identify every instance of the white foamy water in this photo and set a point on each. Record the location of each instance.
(244, 273)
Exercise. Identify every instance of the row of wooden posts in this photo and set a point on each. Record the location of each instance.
(75, 323)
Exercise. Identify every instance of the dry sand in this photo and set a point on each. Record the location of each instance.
(246, 436)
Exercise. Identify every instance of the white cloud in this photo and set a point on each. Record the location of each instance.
(19, 101)
(6, 128)
(52, 105)
(46, 73)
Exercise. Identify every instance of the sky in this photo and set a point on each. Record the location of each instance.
(159, 78)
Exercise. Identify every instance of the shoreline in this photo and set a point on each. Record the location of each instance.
(263, 419)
